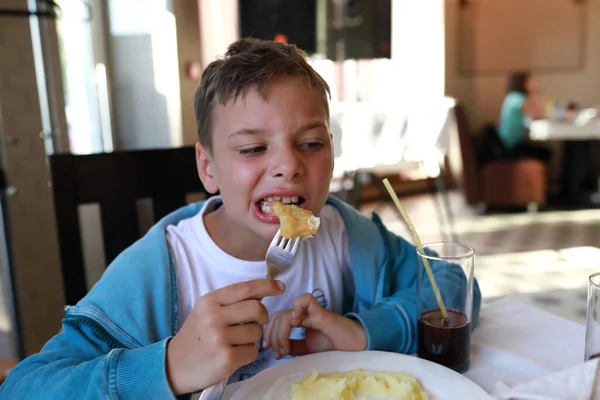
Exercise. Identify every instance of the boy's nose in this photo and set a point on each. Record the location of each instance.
(288, 165)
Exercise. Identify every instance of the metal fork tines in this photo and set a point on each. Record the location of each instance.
(280, 256)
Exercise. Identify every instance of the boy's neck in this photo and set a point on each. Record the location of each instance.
(232, 238)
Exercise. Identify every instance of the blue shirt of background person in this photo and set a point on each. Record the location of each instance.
(521, 101)
(512, 128)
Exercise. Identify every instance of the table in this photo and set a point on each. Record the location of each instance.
(515, 343)
(564, 130)
(581, 139)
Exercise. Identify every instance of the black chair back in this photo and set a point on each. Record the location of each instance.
(115, 181)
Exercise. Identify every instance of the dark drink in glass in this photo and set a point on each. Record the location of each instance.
(445, 341)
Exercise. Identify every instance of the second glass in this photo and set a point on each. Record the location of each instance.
(445, 341)
(592, 325)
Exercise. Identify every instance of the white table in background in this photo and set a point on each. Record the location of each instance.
(564, 130)
(581, 144)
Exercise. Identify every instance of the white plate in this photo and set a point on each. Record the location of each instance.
(442, 383)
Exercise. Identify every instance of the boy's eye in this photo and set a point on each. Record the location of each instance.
(312, 145)
(252, 151)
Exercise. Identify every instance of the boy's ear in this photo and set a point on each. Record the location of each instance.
(204, 166)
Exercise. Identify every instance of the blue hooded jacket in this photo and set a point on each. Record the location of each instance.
(112, 344)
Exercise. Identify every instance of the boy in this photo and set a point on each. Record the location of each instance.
(179, 310)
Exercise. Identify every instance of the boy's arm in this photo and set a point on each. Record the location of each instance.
(78, 363)
(391, 323)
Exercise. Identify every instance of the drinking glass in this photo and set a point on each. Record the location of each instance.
(445, 341)
(592, 325)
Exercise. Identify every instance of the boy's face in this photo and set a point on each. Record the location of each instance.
(278, 146)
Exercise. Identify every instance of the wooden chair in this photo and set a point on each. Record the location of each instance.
(5, 367)
(115, 181)
(505, 183)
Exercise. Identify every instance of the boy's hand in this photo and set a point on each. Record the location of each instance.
(325, 330)
(220, 335)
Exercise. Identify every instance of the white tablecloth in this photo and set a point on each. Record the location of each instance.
(516, 343)
(547, 129)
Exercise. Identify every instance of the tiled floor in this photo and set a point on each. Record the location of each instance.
(543, 259)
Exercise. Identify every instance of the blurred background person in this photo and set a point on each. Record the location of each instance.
(521, 105)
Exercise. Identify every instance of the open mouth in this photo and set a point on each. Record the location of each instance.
(264, 205)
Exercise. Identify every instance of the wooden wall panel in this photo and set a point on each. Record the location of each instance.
(539, 35)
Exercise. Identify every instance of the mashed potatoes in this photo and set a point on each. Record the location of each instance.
(356, 384)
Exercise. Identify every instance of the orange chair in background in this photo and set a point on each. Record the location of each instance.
(501, 183)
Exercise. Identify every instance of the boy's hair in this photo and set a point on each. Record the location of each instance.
(249, 64)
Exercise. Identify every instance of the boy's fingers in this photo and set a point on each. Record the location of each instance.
(271, 329)
(274, 338)
(244, 334)
(255, 289)
(267, 333)
(246, 311)
(301, 305)
(283, 337)
(306, 310)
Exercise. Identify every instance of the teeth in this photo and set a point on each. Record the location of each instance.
(264, 207)
(284, 199)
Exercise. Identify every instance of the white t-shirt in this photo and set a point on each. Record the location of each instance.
(201, 267)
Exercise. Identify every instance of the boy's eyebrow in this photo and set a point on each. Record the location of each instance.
(310, 126)
(302, 129)
(247, 132)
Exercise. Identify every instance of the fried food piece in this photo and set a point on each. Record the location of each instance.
(295, 221)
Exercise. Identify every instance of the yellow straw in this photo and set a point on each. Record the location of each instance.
(419, 246)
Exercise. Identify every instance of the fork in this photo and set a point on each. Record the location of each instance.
(280, 256)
